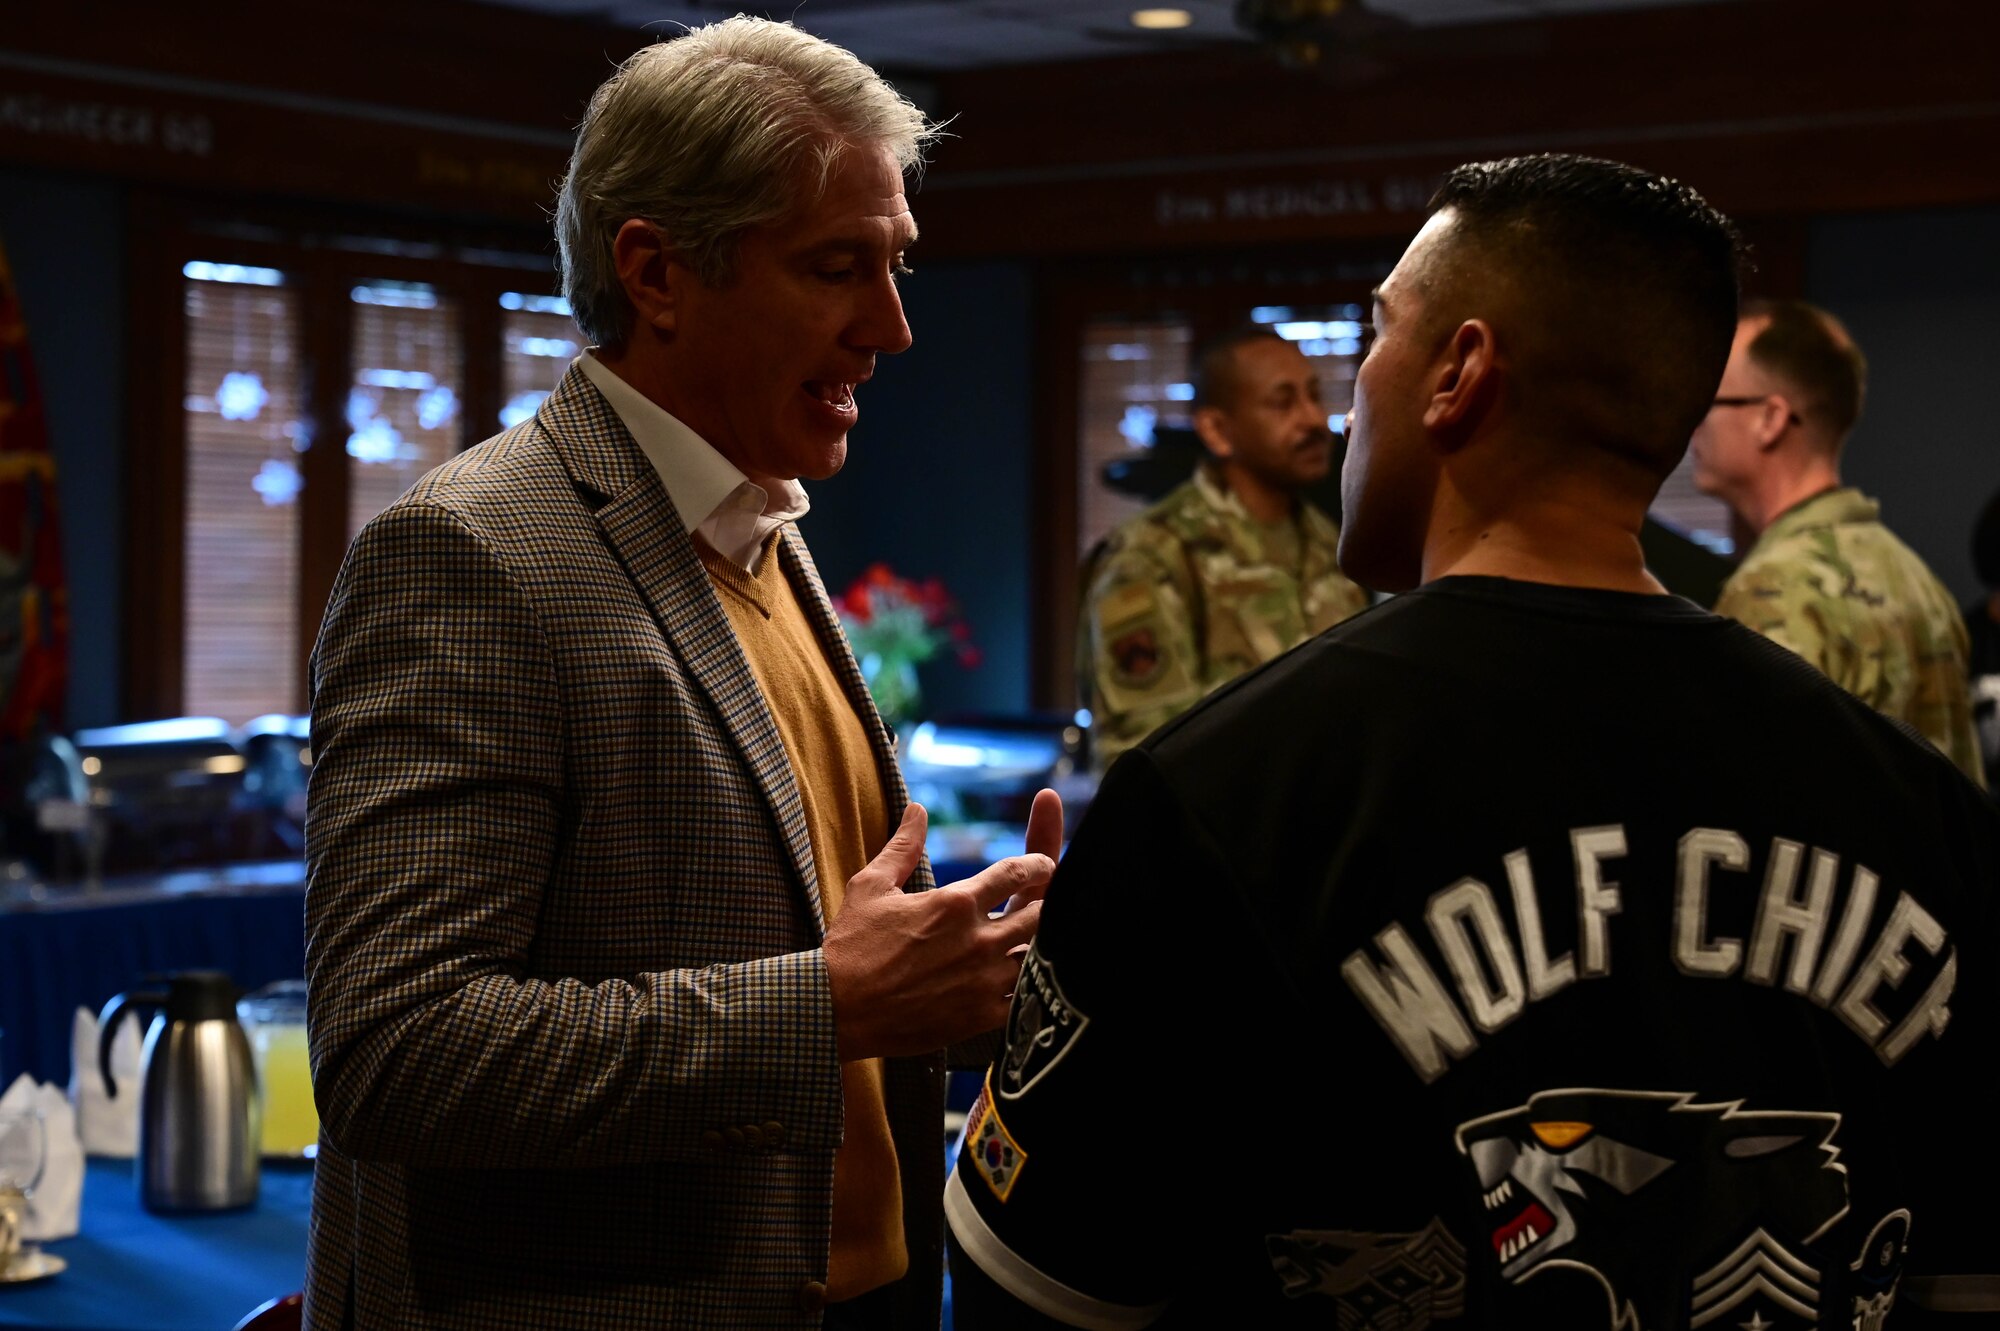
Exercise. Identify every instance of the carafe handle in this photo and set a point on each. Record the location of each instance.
(107, 1024)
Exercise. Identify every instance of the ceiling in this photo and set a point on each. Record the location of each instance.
(962, 34)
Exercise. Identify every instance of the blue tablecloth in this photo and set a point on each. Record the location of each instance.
(133, 1271)
(130, 1271)
(75, 950)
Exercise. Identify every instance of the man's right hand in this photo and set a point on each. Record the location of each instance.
(919, 971)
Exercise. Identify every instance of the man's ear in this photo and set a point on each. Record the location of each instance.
(1212, 427)
(1773, 418)
(649, 272)
(1464, 381)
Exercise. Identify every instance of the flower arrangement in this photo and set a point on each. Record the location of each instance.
(895, 624)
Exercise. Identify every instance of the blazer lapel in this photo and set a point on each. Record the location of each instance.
(640, 523)
(805, 579)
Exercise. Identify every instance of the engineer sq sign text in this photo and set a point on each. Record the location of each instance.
(1289, 201)
(120, 126)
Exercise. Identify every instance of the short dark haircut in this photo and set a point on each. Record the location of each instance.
(1810, 350)
(1986, 544)
(1215, 377)
(1627, 285)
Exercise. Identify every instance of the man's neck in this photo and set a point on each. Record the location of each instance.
(646, 374)
(1264, 502)
(1786, 490)
(1582, 540)
(640, 371)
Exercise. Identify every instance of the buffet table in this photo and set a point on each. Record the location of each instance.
(68, 948)
(130, 1270)
(133, 1271)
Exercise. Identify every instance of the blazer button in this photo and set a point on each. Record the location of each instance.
(812, 1297)
(753, 1135)
(711, 1140)
(735, 1136)
(774, 1133)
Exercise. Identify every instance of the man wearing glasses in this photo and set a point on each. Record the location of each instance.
(1825, 577)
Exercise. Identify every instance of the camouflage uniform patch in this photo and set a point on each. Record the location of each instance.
(1830, 582)
(1192, 593)
(1136, 657)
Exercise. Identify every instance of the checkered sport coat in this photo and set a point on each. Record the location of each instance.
(571, 1034)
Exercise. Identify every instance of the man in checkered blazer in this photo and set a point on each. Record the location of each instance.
(629, 996)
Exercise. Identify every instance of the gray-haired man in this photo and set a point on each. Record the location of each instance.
(619, 1017)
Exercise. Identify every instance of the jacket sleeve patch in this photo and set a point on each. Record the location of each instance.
(1136, 656)
(994, 1154)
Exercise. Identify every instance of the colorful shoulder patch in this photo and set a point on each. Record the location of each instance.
(1136, 656)
(994, 1153)
(1042, 1026)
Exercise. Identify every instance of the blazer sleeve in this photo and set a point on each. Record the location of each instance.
(436, 812)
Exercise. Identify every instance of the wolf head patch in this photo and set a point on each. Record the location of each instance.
(1637, 1188)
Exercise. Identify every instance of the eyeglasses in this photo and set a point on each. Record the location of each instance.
(1792, 417)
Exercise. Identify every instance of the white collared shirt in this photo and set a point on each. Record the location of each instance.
(729, 510)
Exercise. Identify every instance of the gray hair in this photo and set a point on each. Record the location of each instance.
(728, 127)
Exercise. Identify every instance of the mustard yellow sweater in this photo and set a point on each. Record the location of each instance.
(848, 821)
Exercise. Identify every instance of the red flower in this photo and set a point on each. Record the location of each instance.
(876, 612)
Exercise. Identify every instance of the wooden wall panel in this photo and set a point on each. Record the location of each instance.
(1768, 106)
(445, 106)
(437, 57)
(156, 468)
(197, 140)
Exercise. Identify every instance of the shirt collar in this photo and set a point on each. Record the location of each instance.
(698, 479)
(1215, 493)
(1830, 507)
(1249, 536)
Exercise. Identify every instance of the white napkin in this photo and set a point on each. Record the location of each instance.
(58, 1199)
(108, 1127)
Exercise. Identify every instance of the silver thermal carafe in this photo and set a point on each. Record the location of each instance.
(198, 1129)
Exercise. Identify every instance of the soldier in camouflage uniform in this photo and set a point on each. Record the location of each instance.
(1826, 578)
(1230, 569)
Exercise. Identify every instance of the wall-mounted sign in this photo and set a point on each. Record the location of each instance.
(273, 143)
(116, 124)
(1127, 213)
(1282, 201)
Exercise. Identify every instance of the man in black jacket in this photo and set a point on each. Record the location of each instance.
(1568, 956)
